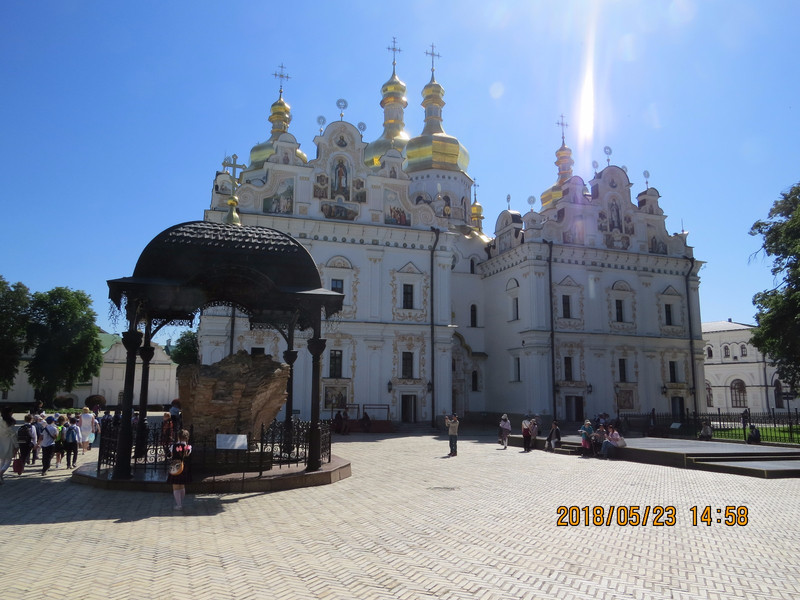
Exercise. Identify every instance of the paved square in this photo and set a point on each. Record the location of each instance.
(410, 523)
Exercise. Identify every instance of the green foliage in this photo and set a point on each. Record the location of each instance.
(186, 350)
(64, 338)
(777, 332)
(14, 302)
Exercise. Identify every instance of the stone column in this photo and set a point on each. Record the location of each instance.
(316, 346)
(131, 339)
(146, 353)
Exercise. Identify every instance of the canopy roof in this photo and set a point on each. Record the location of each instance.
(265, 273)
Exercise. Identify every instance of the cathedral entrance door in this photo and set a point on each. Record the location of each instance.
(574, 408)
(677, 409)
(409, 408)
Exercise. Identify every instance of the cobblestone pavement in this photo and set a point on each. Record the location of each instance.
(409, 524)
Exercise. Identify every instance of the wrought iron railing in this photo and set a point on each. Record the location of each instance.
(774, 426)
(277, 445)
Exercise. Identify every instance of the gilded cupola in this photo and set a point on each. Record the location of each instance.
(433, 148)
(393, 102)
(280, 116)
(564, 163)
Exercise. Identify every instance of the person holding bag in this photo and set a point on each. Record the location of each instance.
(179, 471)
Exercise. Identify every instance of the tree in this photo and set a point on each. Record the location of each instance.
(64, 338)
(186, 350)
(777, 332)
(14, 302)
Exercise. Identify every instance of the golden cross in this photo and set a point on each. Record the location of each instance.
(433, 56)
(231, 163)
(282, 76)
(394, 50)
(563, 126)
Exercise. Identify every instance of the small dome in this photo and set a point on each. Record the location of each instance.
(280, 116)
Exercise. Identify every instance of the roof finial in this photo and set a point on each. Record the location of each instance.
(475, 187)
(281, 75)
(561, 123)
(230, 163)
(394, 50)
(434, 55)
(508, 201)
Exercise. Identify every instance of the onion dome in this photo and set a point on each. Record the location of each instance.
(394, 135)
(280, 116)
(476, 215)
(434, 149)
(232, 217)
(564, 163)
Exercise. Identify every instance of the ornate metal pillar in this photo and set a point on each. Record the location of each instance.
(316, 346)
(131, 339)
(290, 356)
(146, 353)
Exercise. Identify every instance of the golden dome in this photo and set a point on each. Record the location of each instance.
(476, 214)
(394, 135)
(280, 116)
(564, 163)
(433, 148)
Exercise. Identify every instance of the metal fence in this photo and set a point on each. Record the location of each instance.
(774, 426)
(276, 445)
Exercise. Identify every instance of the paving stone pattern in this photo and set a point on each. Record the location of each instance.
(409, 524)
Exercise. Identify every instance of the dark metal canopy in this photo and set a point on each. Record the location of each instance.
(264, 273)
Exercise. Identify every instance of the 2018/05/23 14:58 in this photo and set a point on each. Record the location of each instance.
(657, 516)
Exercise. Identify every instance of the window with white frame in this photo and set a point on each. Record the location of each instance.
(408, 295)
(568, 368)
(512, 290)
(743, 350)
(407, 365)
(622, 308)
(622, 364)
(516, 374)
(335, 366)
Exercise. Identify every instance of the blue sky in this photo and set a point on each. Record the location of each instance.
(117, 115)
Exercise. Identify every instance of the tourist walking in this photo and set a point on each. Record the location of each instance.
(48, 443)
(181, 451)
(526, 435)
(505, 430)
(452, 433)
(26, 438)
(8, 440)
(88, 427)
(72, 437)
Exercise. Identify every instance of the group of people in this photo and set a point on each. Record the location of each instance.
(599, 441)
(56, 436)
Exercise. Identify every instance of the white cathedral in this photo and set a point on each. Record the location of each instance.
(584, 307)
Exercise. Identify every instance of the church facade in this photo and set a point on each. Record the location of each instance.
(585, 306)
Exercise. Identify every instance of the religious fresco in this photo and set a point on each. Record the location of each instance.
(360, 191)
(335, 396)
(657, 246)
(282, 202)
(574, 235)
(393, 213)
(321, 186)
(625, 400)
(339, 210)
(340, 180)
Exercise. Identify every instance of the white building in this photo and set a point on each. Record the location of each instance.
(586, 306)
(738, 376)
(162, 380)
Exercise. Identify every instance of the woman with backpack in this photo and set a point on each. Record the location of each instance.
(8, 440)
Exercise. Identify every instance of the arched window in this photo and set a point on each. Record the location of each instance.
(738, 394)
(726, 352)
(474, 381)
(473, 315)
(472, 265)
(743, 350)
(709, 352)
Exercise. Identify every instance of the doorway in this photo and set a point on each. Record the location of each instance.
(574, 408)
(409, 408)
(677, 409)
